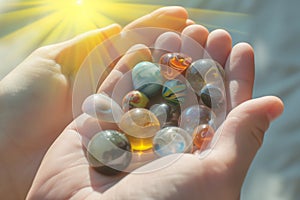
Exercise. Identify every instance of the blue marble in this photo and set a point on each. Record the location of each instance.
(147, 78)
(171, 140)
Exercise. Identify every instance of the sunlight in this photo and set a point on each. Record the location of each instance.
(29, 24)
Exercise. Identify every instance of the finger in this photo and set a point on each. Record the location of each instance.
(193, 41)
(241, 136)
(218, 46)
(133, 56)
(172, 17)
(189, 22)
(239, 72)
(166, 43)
(70, 54)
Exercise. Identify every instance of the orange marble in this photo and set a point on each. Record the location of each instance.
(202, 136)
(173, 64)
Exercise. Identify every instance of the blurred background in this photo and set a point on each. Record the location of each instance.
(271, 27)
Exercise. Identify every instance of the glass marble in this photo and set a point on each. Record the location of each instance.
(174, 91)
(171, 140)
(204, 71)
(140, 125)
(212, 96)
(147, 78)
(173, 64)
(102, 107)
(166, 114)
(202, 136)
(134, 99)
(195, 115)
(109, 152)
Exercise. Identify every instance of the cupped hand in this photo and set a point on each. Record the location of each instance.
(66, 174)
(36, 98)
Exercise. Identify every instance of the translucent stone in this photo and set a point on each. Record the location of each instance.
(102, 107)
(212, 96)
(202, 136)
(147, 78)
(204, 71)
(161, 111)
(108, 152)
(174, 91)
(171, 140)
(173, 64)
(140, 125)
(134, 99)
(195, 115)
(166, 114)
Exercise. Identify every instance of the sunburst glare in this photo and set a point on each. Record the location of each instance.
(29, 24)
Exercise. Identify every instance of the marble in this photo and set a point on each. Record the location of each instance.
(172, 140)
(162, 112)
(140, 125)
(195, 115)
(147, 78)
(166, 114)
(204, 71)
(109, 152)
(134, 99)
(212, 96)
(173, 64)
(174, 91)
(103, 108)
(202, 136)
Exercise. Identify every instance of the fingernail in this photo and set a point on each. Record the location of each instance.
(276, 110)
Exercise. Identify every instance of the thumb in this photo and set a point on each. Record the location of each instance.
(242, 134)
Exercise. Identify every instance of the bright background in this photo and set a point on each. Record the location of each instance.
(28, 24)
(271, 27)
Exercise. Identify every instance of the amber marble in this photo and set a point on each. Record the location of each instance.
(140, 125)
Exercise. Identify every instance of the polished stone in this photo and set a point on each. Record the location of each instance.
(109, 152)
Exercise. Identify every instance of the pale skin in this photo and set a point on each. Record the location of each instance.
(36, 97)
(64, 172)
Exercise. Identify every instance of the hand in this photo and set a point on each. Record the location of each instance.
(65, 172)
(36, 98)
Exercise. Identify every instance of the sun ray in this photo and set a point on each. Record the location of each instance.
(29, 24)
(21, 18)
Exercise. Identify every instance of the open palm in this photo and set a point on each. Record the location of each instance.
(65, 172)
(36, 98)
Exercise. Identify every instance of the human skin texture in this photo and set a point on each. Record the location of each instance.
(66, 174)
(36, 98)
